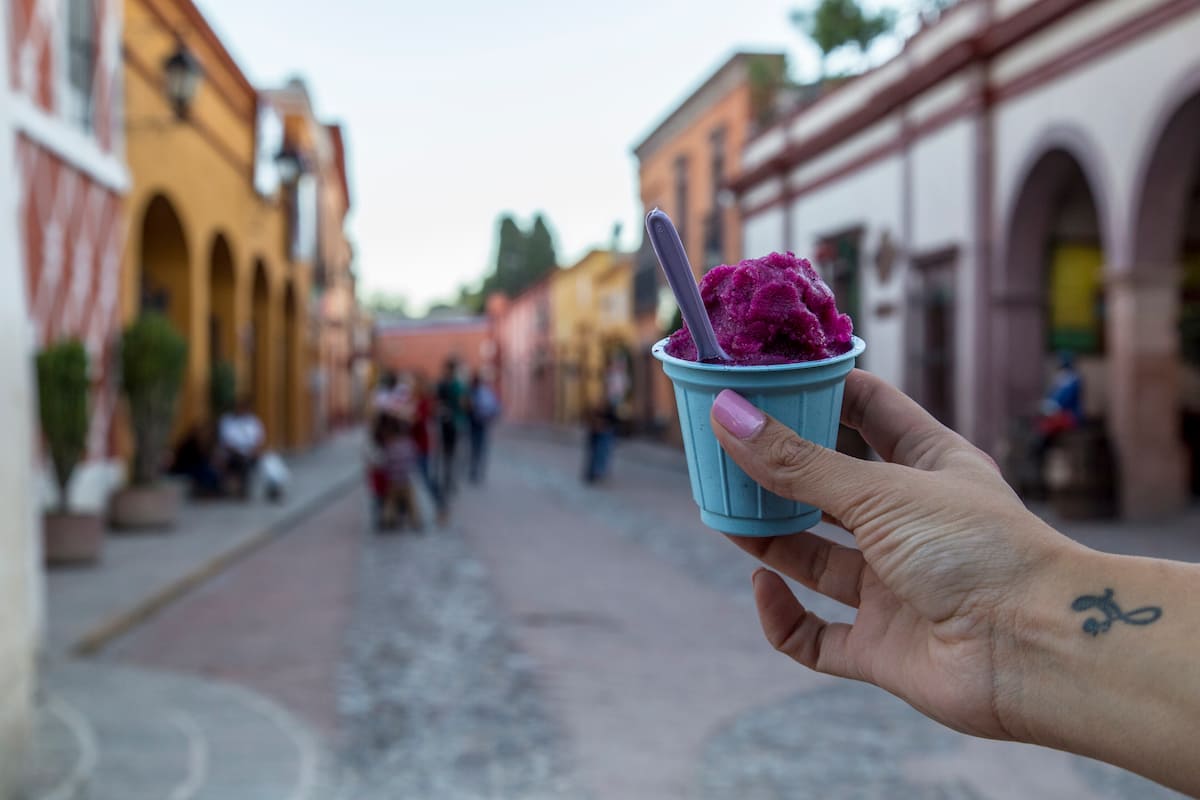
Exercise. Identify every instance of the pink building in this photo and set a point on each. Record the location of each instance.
(422, 346)
(64, 64)
(524, 333)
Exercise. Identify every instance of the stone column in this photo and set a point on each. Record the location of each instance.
(1144, 415)
(1017, 365)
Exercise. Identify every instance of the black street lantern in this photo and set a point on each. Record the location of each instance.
(290, 165)
(183, 74)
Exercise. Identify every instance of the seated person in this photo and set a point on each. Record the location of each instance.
(194, 459)
(241, 438)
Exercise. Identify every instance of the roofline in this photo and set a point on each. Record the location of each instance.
(991, 39)
(642, 148)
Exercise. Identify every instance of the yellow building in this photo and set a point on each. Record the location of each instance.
(323, 196)
(593, 327)
(209, 231)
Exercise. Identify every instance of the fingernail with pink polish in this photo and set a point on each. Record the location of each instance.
(737, 415)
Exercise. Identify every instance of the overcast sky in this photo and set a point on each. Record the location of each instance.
(456, 112)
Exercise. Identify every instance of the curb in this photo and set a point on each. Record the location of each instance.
(94, 640)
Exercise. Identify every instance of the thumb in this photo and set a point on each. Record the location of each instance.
(773, 455)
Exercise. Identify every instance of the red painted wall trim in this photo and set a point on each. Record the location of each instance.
(942, 118)
(1036, 77)
(1090, 50)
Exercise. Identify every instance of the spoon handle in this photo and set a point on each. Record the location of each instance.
(671, 255)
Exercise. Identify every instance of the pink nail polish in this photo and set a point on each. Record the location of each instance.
(736, 414)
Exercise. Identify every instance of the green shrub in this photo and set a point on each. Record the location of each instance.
(62, 373)
(153, 362)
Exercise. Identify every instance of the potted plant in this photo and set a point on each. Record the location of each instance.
(62, 373)
(153, 361)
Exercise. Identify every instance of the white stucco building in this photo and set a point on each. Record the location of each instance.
(1023, 178)
(20, 555)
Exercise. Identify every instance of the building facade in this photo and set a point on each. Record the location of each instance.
(61, 229)
(1022, 179)
(320, 203)
(422, 347)
(683, 167)
(209, 228)
(71, 176)
(585, 334)
(525, 335)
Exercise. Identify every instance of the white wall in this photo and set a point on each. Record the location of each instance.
(943, 216)
(763, 233)
(20, 551)
(869, 198)
(1111, 107)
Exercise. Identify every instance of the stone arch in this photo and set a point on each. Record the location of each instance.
(1160, 315)
(1166, 175)
(164, 272)
(262, 378)
(222, 315)
(1059, 203)
(222, 281)
(292, 369)
(164, 284)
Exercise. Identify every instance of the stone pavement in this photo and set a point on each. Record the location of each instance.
(114, 732)
(642, 624)
(554, 641)
(139, 573)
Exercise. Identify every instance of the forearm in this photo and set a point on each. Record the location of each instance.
(1112, 676)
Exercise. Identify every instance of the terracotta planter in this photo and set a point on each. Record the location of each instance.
(146, 508)
(72, 538)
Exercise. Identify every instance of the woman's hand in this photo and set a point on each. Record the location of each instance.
(945, 551)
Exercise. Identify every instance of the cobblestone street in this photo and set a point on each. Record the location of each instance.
(563, 641)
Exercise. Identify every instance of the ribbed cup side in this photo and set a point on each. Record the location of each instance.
(806, 398)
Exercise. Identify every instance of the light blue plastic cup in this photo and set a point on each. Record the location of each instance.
(807, 397)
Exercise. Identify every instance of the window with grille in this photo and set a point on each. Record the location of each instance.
(81, 61)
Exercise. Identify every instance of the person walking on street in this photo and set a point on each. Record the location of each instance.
(484, 408)
(452, 408)
(422, 433)
(601, 436)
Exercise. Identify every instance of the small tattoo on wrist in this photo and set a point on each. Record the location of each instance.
(1112, 612)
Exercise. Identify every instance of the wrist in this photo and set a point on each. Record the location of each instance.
(1037, 644)
(1095, 659)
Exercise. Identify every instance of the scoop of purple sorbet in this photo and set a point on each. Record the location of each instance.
(770, 310)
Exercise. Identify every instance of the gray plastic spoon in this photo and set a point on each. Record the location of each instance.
(671, 255)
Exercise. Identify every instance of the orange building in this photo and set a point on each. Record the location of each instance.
(422, 346)
(683, 165)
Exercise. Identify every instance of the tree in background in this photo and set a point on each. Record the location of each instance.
(835, 24)
(511, 254)
(522, 259)
(388, 305)
(540, 257)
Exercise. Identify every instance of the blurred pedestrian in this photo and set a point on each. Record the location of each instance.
(424, 413)
(196, 459)
(398, 460)
(241, 438)
(483, 408)
(601, 436)
(1062, 408)
(452, 413)
(373, 465)
(393, 395)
